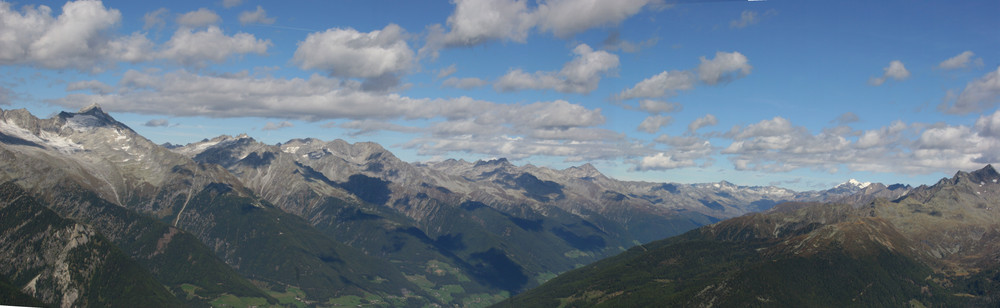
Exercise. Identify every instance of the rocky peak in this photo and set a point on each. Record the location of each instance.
(985, 175)
(583, 171)
(493, 162)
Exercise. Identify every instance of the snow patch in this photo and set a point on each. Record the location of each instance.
(856, 183)
(290, 150)
(53, 140)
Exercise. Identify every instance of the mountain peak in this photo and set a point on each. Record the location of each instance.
(497, 162)
(95, 107)
(855, 183)
(985, 175)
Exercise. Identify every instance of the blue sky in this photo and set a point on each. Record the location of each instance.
(800, 94)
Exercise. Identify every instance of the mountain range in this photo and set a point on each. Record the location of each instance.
(937, 246)
(233, 221)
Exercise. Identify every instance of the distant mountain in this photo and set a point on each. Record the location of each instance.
(308, 221)
(936, 246)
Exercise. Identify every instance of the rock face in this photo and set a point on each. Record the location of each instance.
(935, 246)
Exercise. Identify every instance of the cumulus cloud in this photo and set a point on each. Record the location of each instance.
(707, 120)
(445, 72)
(157, 123)
(198, 48)
(581, 75)
(155, 18)
(896, 70)
(725, 67)
(256, 17)
(80, 39)
(200, 18)
(353, 54)
(979, 95)
(661, 161)
(476, 22)
(653, 123)
(567, 17)
(663, 84)
(658, 107)
(776, 145)
(962, 60)
(464, 83)
(276, 126)
(555, 128)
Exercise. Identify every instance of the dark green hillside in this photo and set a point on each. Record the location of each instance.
(61, 262)
(175, 257)
(282, 250)
(696, 270)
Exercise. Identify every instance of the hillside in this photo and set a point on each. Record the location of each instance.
(936, 246)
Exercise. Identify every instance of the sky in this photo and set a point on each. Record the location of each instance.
(798, 94)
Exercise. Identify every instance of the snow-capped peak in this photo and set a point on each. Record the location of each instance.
(856, 183)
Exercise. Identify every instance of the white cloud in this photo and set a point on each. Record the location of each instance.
(464, 83)
(658, 107)
(653, 123)
(197, 48)
(478, 21)
(276, 126)
(661, 161)
(581, 75)
(726, 67)
(231, 3)
(80, 39)
(200, 18)
(707, 120)
(962, 60)
(445, 72)
(896, 70)
(353, 54)
(663, 84)
(154, 19)
(157, 123)
(979, 95)
(777, 145)
(567, 17)
(989, 125)
(77, 39)
(259, 17)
